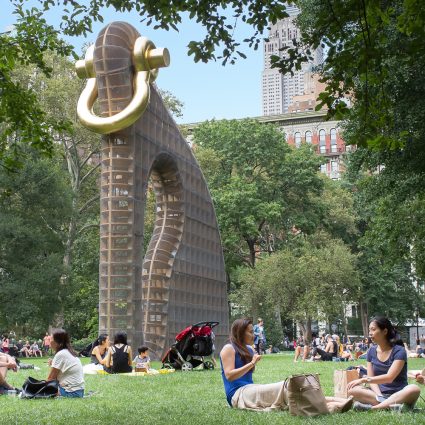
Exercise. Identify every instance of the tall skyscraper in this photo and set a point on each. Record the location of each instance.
(278, 90)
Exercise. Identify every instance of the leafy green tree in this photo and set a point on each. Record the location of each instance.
(81, 296)
(390, 237)
(34, 205)
(261, 187)
(375, 61)
(23, 120)
(310, 281)
(77, 149)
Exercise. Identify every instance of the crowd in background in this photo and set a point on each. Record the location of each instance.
(25, 348)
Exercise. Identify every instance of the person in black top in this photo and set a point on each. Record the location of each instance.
(119, 357)
(330, 351)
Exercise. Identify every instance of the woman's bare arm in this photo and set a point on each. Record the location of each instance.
(227, 355)
(53, 374)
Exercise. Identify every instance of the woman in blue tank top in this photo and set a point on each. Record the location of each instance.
(386, 372)
(238, 361)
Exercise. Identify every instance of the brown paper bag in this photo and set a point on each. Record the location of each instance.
(341, 380)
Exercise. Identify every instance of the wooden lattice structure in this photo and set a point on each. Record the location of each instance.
(180, 280)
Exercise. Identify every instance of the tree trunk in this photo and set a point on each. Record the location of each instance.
(364, 316)
(278, 319)
(344, 323)
(307, 334)
(251, 246)
(67, 265)
(302, 327)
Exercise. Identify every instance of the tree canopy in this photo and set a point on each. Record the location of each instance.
(261, 187)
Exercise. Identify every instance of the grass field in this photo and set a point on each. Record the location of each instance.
(181, 398)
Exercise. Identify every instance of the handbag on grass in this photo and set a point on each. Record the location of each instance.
(33, 388)
(305, 395)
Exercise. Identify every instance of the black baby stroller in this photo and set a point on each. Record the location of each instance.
(192, 345)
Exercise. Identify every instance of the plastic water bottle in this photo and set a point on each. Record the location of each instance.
(12, 393)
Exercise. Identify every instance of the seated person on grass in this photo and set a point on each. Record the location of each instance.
(238, 362)
(346, 353)
(386, 372)
(331, 350)
(301, 348)
(142, 360)
(66, 367)
(118, 359)
(6, 363)
(99, 353)
(36, 350)
(414, 354)
(26, 350)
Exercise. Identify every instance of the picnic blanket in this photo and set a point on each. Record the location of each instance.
(151, 372)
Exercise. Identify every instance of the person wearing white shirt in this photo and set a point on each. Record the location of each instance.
(66, 366)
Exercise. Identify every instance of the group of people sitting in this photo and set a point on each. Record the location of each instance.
(329, 348)
(384, 386)
(9, 345)
(419, 351)
(66, 367)
(118, 357)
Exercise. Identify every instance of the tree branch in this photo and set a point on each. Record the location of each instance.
(89, 173)
(88, 203)
(88, 157)
(87, 226)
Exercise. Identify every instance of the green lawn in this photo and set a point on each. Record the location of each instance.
(181, 398)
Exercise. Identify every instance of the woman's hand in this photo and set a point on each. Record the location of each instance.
(49, 362)
(354, 383)
(420, 378)
(256, 358)
(11, 364)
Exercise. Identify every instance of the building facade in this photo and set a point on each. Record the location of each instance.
(312, 128)
(278, 91)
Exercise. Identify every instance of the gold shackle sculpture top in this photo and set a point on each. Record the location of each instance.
(146, 60)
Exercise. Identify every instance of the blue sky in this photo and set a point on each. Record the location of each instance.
(207, 90)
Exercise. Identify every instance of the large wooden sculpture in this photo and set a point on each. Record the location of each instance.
(180, 280)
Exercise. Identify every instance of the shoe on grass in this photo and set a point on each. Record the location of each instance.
(361, 407)
(347, 405)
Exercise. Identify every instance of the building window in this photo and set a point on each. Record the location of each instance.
(323, 168)
(322, 141)
(297, 139)
(308, 138)
(333, 140)
(334, 170)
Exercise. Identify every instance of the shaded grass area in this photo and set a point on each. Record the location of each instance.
(182, 398)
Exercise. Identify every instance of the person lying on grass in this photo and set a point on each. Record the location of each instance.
(238, 361)
(66, 366)
(386, 372)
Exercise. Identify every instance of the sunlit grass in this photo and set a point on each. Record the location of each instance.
(181, 398)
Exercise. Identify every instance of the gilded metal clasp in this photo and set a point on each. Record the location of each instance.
(147, 59)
